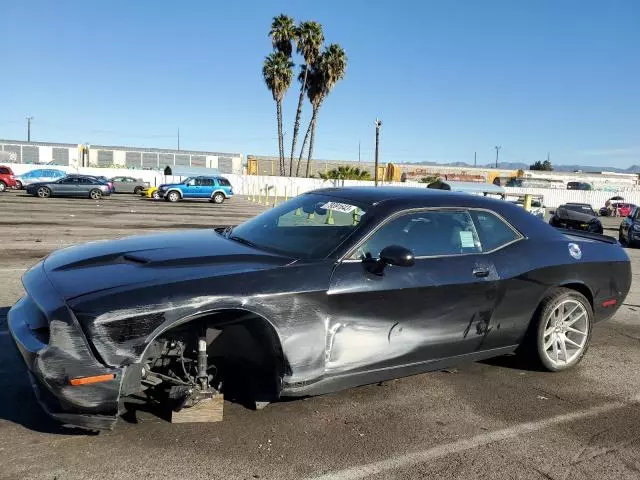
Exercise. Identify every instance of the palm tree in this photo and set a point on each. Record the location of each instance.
(283, 31)
(278, 74)
(346, 173)
(328, 69)
(309, 38)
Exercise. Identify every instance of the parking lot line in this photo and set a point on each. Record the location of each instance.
(403, 461)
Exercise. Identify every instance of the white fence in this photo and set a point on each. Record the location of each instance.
(291, 186)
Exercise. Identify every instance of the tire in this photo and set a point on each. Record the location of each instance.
(218, 197)
(621, 238)
(3, 186)
(43, 192)
(173, 196)
(137, 190)
(561, 328)
(155, 195)
(19, 185)
(95, 194)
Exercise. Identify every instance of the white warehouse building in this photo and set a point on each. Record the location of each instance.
(65, 154)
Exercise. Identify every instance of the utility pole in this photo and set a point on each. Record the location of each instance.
(29, 128)
(497, 147)
(178, 138)
(358, 151)
(378, 125)
(475, 159)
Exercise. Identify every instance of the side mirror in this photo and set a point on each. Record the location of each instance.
(397, 255)
(392, 255)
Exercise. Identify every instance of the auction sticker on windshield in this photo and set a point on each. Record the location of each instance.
(339, 207)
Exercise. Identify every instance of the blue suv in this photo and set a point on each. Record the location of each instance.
(216, 189)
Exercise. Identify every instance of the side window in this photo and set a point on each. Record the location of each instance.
(208, 182)
(426, 234)
(4, 171)
(493, 231)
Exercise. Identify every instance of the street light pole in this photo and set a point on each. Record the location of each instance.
(29, 128)
(378, 125)
(497, 147)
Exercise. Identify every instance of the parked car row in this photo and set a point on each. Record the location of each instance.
(47, 182)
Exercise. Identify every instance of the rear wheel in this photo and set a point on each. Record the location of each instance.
(43, 192)
(19, 185)
(560, 332)
(95, 194)
(173, 196)
(137, 190)
(218, 197)
(3, 186)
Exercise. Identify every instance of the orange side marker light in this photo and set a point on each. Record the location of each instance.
(93, 379)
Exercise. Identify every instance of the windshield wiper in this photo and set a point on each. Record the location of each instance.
(244, 241)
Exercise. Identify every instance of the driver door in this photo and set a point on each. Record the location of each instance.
(408, 316)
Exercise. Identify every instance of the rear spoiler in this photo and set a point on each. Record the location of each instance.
(589, 235)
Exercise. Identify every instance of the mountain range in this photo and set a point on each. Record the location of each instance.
(556, 168)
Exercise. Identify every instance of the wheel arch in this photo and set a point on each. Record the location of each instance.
(581, 288)
(174, 190)
(262, 330)
(219, 190)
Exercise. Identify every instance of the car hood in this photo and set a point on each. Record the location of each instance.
(150, 259)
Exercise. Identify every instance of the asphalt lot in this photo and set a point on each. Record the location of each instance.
(481, 420)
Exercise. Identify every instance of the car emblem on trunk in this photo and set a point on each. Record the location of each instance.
(574, 251)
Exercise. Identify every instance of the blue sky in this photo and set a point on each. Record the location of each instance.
(447, 78)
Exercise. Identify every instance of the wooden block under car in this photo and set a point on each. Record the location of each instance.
(206, 410)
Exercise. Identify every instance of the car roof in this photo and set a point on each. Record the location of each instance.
(578, 204)
(374, 195)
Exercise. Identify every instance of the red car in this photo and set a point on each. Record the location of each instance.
(7, 180)
(624, 209)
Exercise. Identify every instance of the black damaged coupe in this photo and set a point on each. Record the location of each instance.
(332, 289)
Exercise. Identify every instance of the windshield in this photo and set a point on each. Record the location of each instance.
(309, 226)
(580, 208)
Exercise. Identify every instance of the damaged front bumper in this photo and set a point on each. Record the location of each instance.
(55, 352)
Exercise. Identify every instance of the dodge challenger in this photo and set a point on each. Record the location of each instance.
(332, 289)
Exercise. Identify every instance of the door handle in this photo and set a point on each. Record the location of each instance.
(480, 272)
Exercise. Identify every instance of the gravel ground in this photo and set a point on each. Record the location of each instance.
(481, 420)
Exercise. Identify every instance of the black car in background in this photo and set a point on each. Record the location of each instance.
(629, 232)
(332, 289)
(579, 186)
(576, 216)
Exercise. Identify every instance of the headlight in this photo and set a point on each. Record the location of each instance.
(636, 227)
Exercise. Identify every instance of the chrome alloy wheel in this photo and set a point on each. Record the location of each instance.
(565, 332)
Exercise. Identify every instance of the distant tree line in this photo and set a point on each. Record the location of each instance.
(542, 165)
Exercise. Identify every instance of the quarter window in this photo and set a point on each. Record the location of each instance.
(492, 230)
(426, 234)
(223, 182)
